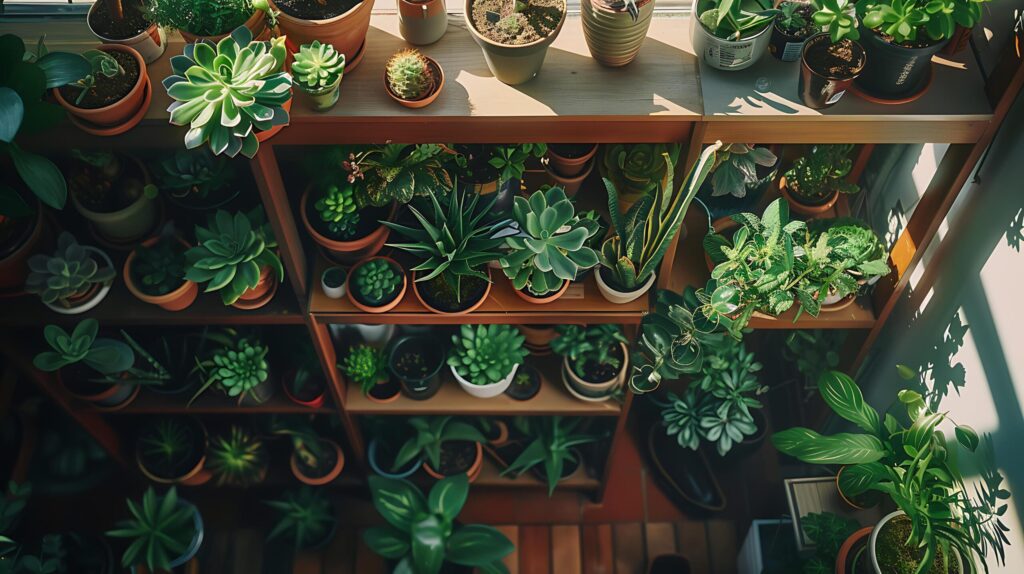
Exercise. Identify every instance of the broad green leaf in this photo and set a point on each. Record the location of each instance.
(478, 545)
(12, 110)
(41, 176)
(842, 448)
(448, 495)
(399, 502)
(967, 436)
(428, 545)
(387, 542)
(844, 396)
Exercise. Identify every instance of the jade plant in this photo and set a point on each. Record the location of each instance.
(238, 367)
(205, 17)
(637, 168)
(431, 434)
(228, 93)
(238, 458)
(232, 251)
(727, 19)
(821, 172)
(409, 74)
(159, 269)
(486, 354)
(337, 209)
(837, 17)
(69, 273)
(366, 366)
(422, 533)
(914, 21)
(735, 168)
(161, 529)
(589, 347)
(318, 67)
(305, 516)
(550, 247)
(397, 173)
(376, 281)
(552, 444)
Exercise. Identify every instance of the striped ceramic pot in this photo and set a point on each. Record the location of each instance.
(613, 37)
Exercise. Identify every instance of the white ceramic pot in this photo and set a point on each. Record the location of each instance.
(874, 539)
(331, 292)
(376, 335)
(150, 44)
(622, 297)
(486, 391)
(100, 295)
(726, 54)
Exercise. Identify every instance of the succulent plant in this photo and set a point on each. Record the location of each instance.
(161, 529)
(637, 168)
(551, 245)
(376, 281)
(305, 516)
(238, 367)
(159, 268)
(232, 252)
(594, 343)
(337, 208)
(366, 366)
(70, 271)
(318, 66)
(102, 64)
(409, 74)
(238, 458)
(105, 356)
(227, 93)
(486, 354)
(165, 439)
(196, 172)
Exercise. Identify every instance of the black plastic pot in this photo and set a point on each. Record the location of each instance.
(524, 392)
(684, 475)
(418, 386)
(894, 72)
(785, 46)
(818, 89)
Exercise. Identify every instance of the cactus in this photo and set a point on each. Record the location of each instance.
(409, 74)
(337, 208)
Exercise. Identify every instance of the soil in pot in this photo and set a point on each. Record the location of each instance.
(326, 462)
(841, 60)
(106, 91)
(457, 457)
(537, 22)
(896, 557)
(171, 469)
(107, 189)
(785, 44)
(595, 372)
(315, 9)
(385, 390)
(416, 365)
(441, 295)
(525, 385)
(369, 221)
(132, 23)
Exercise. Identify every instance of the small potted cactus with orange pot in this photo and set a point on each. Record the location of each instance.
(412, 79)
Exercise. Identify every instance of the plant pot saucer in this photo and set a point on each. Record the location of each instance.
(261, 301)
(925, 84)
(106, 131)
(573, 392)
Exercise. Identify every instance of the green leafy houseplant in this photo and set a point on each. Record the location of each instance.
(856, 244)
(67, 275)
(430, 436)
(366, 366)
(644, 232)
(821, 173)
(486, 354)
(909, 459)
(376, 282)
(830, 266)
(727, 19)
(318, 67)
(205, 17)
(159, 269)
(161, 529)
(837, 17)
(337, 208)
(591, 348)
(814, 352)
(791, 17)
(907, 20)
(553, 441)
(409, 74)
(238, 458)
(827, 531)
(550, 247)
(238, 367)
(194, 174)
(636, 169)
(421, 532)
(305, 516)
(735, 169)
(510, 160)
(232, 252)
(228, 93)
(398, 172)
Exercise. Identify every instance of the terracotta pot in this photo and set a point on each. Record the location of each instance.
(314, 403)
(267, 134)
(849, 501)
(256, 294)
(114, 397)
(502, 434)
(257, 24)
(613, 295)
(349, 251)
(389, 399)
(346, 32)
(571, 185)
(512, 64)
(121, 111)
(14, 267)
(468, 310)
(843, 558)
(196, 476)
(472, 473)
(803, 208)
(546, 298)
(612, 36)
(327, 478)
(385, 307)
(538, 336)
(568, 167)
(596, 390)
(150, 44)
(817, 89)
(176, 300)
(425, 101)
(422, 23)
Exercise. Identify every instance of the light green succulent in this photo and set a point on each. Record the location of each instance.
(238, 367)
(551, 246)
(376, 281)
(70, 271)
(409, 74)
(486, 354)
(238, 458)
(337, 208)
(366, 366)
(318, 66)
(227, 93)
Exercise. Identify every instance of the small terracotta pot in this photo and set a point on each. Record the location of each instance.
(569, 167)
(537, 336)
(546, 298)
(176, 300)
(425, 101)
(121, 111)
(571, 185)
(842, 495)
(385, 400)
(327, 478)
(198, 475)
(387, 306)
(472, 473)
(346, 32)
(350, 251)
(257, 24)
(502, 434)
(257, 294)
(114, 397)
(468, 310)
(803, 208)
(844, 551)
(314, 403)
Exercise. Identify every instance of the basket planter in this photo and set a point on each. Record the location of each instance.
(600, 389)
(150, 43)
(177, 300)
(417, 385)
(91, 297)
(613, 295)
(489, 390)
(613, 37)
(543, 299)
(819, 88)
(435, 88)
(417, 289)
(512, 64)
(331, 473)
(373, 454)
(120, 116)
(472, 472)
(728, 55)
(422, 23)
(895, 72)
(347, 250)
(194, 475)
(346, 32)
(802, 206)
(384, 306)
(20, 246)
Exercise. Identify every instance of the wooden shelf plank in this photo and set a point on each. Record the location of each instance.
(490, 476)
(553, 399)
(212, 402)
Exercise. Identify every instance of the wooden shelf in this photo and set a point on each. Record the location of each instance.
(553, 399)
(490, 477)
(211, 402)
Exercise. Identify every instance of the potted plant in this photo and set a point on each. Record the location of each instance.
(422, 22)
(114, 193)
(740, 176)
(636, 169)
(306, 385)
(812, 186)
(525, 384)
(318, 70)
(550, 249)
(72, 280)
(537, 338)
(341, 24)
(731, 34)
(455, 245)
(412, 79)
(333, 280)
(172, 450)
(305, 517)
(113, 97)
(830, 62)
(385, 445)
(238, 367)
(237, 458)
(234, 105)
(235, 256)
(155, 273)
(494, 430)
(367, 367)
(448, 447)
(467, 546)
(484, 358)
(596, 358)
(569, 164)
(212, 20)
(630, 256)
(416, 362)
(909, 459)
(376, 285)
(165, 531)
(396, 173)
(615, 29)
(514, 36)
(792, 27)
(315, 460)
(853, 240)
(825, 265)
(127, 23)
(342, 224)
(553, 449)
(196, 180)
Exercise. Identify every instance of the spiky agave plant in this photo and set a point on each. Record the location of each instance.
(228, 92)
(409, 74)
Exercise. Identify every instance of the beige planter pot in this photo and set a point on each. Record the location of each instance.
(512, 64)
(596, 391)
(622, 297)
(613, 38)
(150, 44)
(422, 23)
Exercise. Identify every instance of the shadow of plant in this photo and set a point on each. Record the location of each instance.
(1015, 233)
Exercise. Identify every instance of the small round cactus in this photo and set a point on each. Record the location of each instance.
(409, 74)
